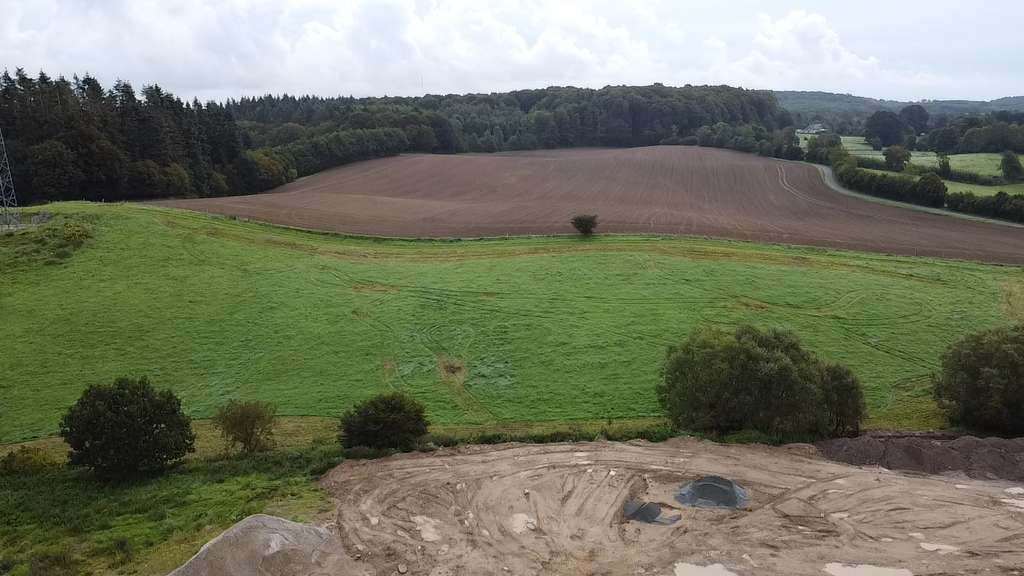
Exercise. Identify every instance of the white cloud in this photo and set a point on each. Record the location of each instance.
(372, 47)
(801, 51)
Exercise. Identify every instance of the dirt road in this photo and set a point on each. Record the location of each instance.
(660, 190)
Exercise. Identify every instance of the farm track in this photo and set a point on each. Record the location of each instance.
(657, 190)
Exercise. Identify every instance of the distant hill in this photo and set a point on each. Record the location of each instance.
(838, 108)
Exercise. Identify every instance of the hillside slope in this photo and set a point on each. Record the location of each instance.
(483, 332)
(660, 190)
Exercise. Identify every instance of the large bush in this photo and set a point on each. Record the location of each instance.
(723, 382)
(981, 382)
(249, 425)
(126, 429)
(386, 421)
(584, 223)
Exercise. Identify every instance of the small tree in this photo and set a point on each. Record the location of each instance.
(944, 168)
(126, 429)
(585, 223)
(246, 424)
(981, 382)
(1010, 165)
(386, 421)
(896, 158)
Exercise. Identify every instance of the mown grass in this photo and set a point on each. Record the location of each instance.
(985, 163)
(59, 521)
(543, 329)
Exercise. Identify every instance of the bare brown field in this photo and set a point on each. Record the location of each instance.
(655, 190)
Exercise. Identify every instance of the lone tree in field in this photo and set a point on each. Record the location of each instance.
(585, 223)
(896, 158)
(246, 424)
(1010, 165)
(981, 382)
(126, 429)
(386, 421)
(750, 379)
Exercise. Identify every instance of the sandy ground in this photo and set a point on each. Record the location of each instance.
(657, 190)
(555, 509)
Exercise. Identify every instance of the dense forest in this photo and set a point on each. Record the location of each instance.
(520, 120)
(74, 139)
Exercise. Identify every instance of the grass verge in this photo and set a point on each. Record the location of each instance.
(60, 521)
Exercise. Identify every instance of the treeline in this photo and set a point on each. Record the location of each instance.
(520, 120)
(927, 190)
(1000, 205)
(967, 134)
(755, 139)
(915, 129)
(266, 168)
(75, 140)
(846, 114)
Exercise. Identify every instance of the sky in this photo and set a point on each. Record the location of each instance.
(907, 50)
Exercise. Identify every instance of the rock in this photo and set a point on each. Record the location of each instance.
(262, 540)
(402, 568)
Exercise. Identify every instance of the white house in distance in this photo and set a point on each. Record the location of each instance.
(815, 128)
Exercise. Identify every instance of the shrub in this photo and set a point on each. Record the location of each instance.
(54, 561)
(585, 223)
(929, 190)
(386, 421)
(981, 381)
(125, 429)
(246, 424)
(844, 400)
(722, 382)
(24, 460)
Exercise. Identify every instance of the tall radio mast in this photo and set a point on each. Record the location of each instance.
(8, 201)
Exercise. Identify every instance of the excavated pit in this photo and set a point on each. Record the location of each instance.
(558, 509)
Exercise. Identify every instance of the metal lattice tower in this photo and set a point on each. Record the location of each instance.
(8, 201)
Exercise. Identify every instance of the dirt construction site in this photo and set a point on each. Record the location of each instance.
(653, 190)
(558, 509)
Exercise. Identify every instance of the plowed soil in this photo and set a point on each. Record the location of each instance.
(661, 190)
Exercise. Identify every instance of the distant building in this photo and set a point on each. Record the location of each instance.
(816, 128)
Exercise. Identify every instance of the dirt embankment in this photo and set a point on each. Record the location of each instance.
(556, 509)
(657, 190)
(983, 458)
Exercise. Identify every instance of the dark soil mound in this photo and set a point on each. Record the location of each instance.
(985, 458)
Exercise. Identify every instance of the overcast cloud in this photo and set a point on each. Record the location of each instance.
(906, 51)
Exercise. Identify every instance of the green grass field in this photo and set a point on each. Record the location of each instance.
(489, 332)
(60, 521)
(976, 189)
(986, 163)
